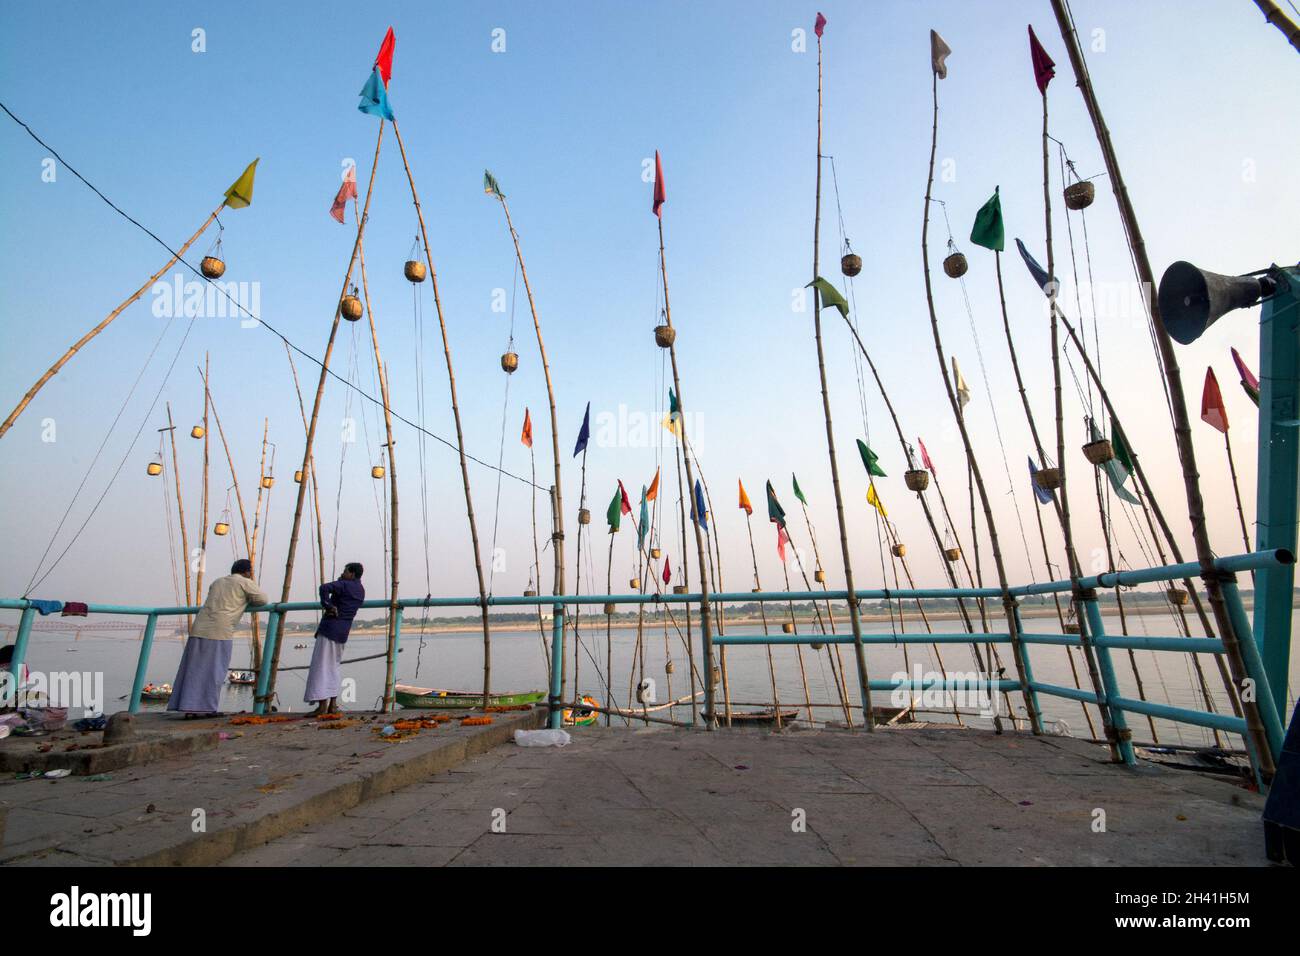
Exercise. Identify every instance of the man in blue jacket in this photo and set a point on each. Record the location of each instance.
(340, 600)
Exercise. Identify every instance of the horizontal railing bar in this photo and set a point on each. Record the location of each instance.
(1224, 722)
(1233, 564)
(1193, 645)
(917, 637)
(1069, 693)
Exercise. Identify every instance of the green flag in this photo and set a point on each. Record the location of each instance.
(830, 295)
(490, 185)
(1122, 452)
(775, 513)
(798, 492)
(870, 461)
(240, 193)
(614, 514)
(987, 231)
(644, 528)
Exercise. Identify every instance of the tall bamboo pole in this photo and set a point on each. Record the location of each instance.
(180, 511)
(706, 618)
(255, 645)
(537, 556)
(1008, 602)
(1062, 495)
(855, 617)
(390, 669)
(77, 346)
(315, 415)
(762, 613)
(609, 630)
(1173, 379)
(315, 485)
(576, 616)
(557, 537)
(829, 626)
(257, 507)
(686, 576)
(1274, 15)
(203, 520)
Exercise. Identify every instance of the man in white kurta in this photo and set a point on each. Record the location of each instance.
(206, 661)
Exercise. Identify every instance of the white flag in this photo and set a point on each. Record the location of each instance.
(963, 390)
(938, 53)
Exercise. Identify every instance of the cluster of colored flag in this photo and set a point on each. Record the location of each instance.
(374, 95)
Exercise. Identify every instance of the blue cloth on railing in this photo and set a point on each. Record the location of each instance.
(47, 607)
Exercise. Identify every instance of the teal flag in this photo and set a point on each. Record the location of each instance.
(1116, 469)
(870, 461)
(988, 231)
(644, 528)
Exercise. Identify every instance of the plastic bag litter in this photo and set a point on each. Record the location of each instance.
(542, 738)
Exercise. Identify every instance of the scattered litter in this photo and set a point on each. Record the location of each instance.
(741, 766)
(542, 738)
(57, 774)
(100, 777)
(1026, 803)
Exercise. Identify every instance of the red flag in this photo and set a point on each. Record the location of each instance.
(385, 59)
(347, 191)
(820, 25)
(925, 457)
(659, 187)
(527, 436)
(626, 505)
(1246, 374)
(668, 571)
(1213, 411)
(1044, 68)
(781, 539)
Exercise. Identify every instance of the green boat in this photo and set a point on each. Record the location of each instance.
(426, 698)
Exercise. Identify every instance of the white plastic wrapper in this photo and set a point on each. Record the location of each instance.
(542, 738)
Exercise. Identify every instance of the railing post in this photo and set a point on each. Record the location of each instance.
(1108, 682)
(20, 648)
(556, 717)
(397, 642)
(268, 655)
(142, 665)
(1250, 655)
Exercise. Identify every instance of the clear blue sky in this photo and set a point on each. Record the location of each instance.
(565, 117)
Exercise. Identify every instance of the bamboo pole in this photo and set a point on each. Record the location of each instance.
(855, 619)
(1173, 378)
(830, 617)
(557, 537)
(77, 346)
(257, 508)
(1008, 602)
(460, 433)
(794, 629)
(1274, 15)
(609, 630)
(203, 520)
(1236, 491)
(315, 415)
(315, 485)
(180, 511)
(390, 669)
(686, 576)
(537, 558)
(255, 645)
(576, 617)
(762, 613)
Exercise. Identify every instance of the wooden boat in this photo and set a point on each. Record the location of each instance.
(756, 718)
(581, 716)
(426, 698)
(242, 678)
(156, 692)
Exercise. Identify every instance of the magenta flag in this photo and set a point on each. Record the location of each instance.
(820, 25)
(1044, 68)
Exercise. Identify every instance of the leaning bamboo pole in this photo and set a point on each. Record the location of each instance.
(1061, 494)
(315, 417)
(77, 346)
(1008, 603)
(1274, 15)
(257, 507)
(180, 511)
(390, 668)
(255, 641)
(829, 626)
(855, 614)
(557, 536)
(577, 584)
(609, 628)
(315, 485)
(1177, 400)
(203, 519)
(686, 576)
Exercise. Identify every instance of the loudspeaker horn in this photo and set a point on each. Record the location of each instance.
(1192, 299)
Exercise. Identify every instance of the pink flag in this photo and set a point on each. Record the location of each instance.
(625, 506)
(1044, 68)
(781, 539)
(925, 457)
(347, 191)
(660, 197)
(668, 571)
(1246, 374)
(820, 25)
(1213, 411)
(385, 59)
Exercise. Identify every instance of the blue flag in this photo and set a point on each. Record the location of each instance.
(1042, 494)
(1039, 273)
(584, 433)
(374, 97)
(701, 514)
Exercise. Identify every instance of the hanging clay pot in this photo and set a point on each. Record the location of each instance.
(851, 264)
(665, 336)
(267, 481)
(154, 468)
(952, 555)
(530, 593)
(916, 479)
(297, 477)
(414, 270)
(350, 307)
(197, 431)
(788, 627)
(377, 471)
(221, 528)
(609, 608)
(900, 550)
(212, 267)
(1080, 195)
(1178, 596)
(634, 584)
(955, 265)
(1072, 629)
(655, 554)
(668, 667)
(679, 588)
(584, 516)
(509, 362)
(819, 576)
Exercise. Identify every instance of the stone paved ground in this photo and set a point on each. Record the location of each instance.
(931, 796)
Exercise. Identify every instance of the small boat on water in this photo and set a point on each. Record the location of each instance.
(581, 716)
(427, 698)
(242, 678)
(756, 718)
(153, 691)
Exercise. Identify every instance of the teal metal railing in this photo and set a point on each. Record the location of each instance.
(1102, 643)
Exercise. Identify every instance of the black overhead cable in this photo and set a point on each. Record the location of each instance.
(258, 319)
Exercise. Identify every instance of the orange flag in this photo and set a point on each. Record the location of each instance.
(527, 436)
(744, 498)
(1213, 411)
(653, 490)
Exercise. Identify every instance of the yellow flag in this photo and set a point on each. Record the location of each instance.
(673, 422)
(874, 500)
(240, 193)
(744, 498)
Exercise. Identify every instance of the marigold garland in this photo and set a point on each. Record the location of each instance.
(475, 721)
